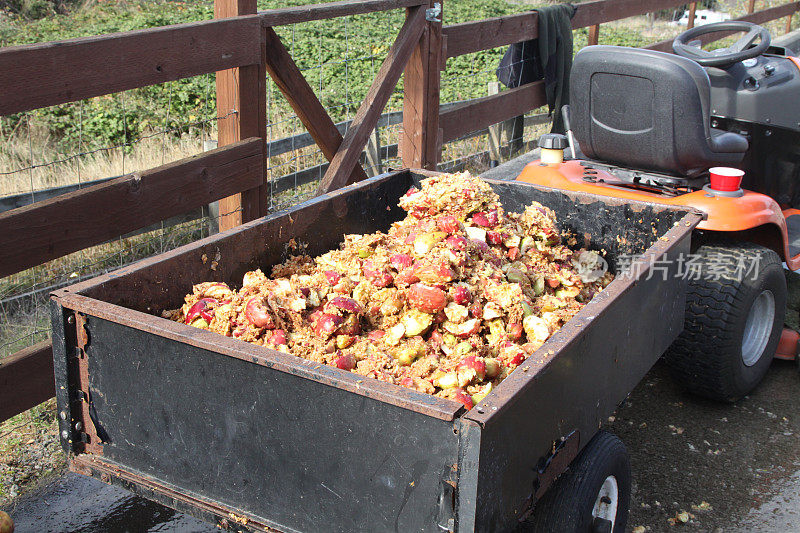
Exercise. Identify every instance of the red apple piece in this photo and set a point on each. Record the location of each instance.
(475, 363)
(464, 398)
(448, 223)
(200, 308)
(345, 362)
(401, 261)
(332, 277)
(461, 295)
(278, 338)
(256, 313)
(342, 303)
(457, 242)
(326, 324)
(427, 299)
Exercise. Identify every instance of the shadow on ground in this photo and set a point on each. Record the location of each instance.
(736, 458)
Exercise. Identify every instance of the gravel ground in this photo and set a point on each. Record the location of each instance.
(29, 451)
(719, 464)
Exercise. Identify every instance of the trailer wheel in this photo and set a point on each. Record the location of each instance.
(593, 495)
(732, 324)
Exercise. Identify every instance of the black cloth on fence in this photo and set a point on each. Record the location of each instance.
(547, 57)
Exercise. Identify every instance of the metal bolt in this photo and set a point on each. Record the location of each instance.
(62, 415)
(78, 425)
(71, 319)
(767, 133)
(65, 434)
(432, 13)
(479, 409)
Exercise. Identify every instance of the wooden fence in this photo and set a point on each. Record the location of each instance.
(243, 48)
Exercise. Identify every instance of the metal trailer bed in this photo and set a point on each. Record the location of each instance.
(253, 439)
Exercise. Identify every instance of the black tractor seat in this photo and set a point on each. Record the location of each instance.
(647, 110)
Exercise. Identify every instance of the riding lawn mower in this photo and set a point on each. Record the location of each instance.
(718, 131)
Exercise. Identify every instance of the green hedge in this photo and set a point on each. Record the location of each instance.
(363, 40)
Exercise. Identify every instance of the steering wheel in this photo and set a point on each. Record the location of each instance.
(736, 52)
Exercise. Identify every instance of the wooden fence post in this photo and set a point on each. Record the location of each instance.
(494, 132)
(242, 112)
(692, 10)
(788, 23)
(420, 143)
(751, 4)
(594, 34)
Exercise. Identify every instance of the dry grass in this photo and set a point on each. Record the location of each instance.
(31, 160)
(29, 450)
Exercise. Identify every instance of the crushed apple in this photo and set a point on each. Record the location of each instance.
(448, 302)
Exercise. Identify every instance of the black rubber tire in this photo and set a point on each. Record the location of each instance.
(707, 356)
(567, 506)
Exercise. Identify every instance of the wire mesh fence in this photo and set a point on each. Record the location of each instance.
(339, 58)
(54, 150)
(50, 151)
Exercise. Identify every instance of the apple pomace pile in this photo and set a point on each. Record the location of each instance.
(449, 302)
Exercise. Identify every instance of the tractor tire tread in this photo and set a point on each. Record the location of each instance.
(698, 357)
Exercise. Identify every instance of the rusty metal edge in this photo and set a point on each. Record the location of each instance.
(419, 402)
(586, 197)
(110, 472)
(524, 376)
(87, 285)
(440, 408)
(71, 298)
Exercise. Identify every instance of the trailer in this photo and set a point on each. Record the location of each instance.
(255, 439)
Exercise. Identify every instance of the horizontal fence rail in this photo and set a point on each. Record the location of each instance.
(243, 49)
(475, 36)
(482, 112)
(42, 75)
(43, 231)
(26, 379)
(480, 35)
(308, 13)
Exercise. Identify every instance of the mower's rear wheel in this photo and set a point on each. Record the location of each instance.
(734, 318)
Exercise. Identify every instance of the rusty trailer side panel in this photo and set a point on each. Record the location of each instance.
(291, 452)
(602, 353)
(256, 439)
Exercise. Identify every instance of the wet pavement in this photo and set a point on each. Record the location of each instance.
(728, 467)
(724, 468)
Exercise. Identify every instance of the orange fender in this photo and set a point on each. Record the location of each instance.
(754, 216)
(787, 346)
